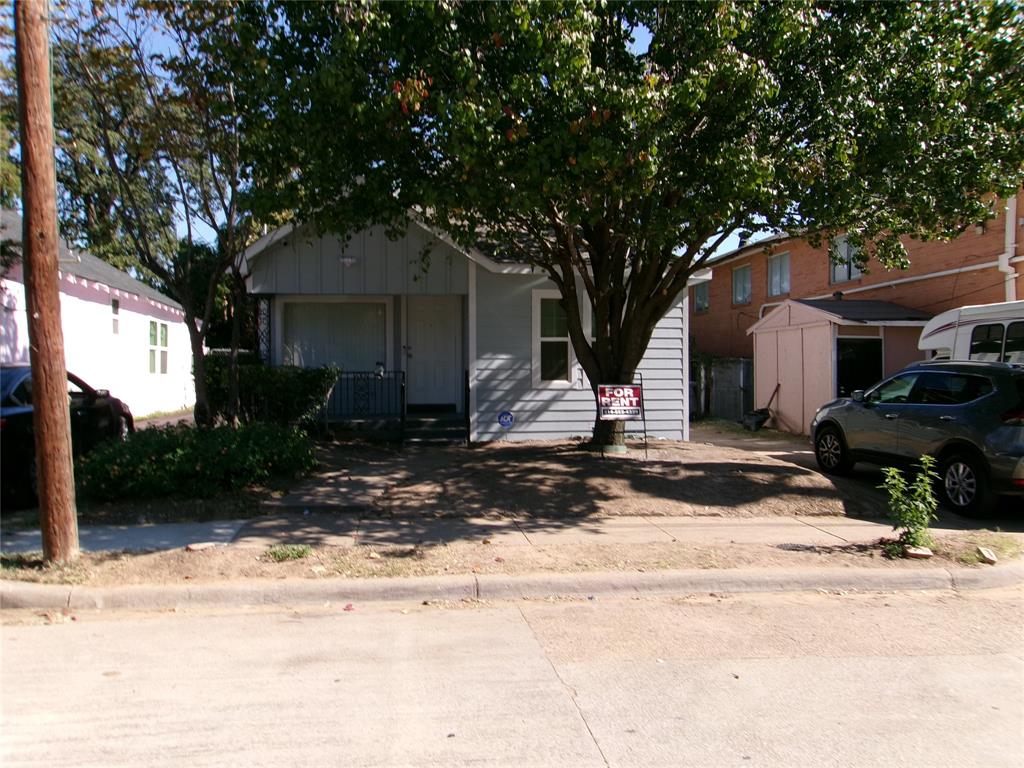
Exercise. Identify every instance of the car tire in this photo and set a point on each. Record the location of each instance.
(963, 484)
(830, 451)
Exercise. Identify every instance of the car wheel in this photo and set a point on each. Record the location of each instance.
(963, 484)
(831, 452)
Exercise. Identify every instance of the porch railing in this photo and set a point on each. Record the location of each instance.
(367, 395)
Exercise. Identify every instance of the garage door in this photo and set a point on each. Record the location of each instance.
(352, 335)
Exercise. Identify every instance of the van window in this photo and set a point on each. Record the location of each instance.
(987, 343)
(1014, 350)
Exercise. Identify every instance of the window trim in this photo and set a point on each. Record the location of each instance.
(535, 339)
(750, 285)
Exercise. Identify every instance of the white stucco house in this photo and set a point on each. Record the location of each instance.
(119, 333)
(465, 334)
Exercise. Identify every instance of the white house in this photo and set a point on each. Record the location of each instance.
(119, 334)
(463, 333)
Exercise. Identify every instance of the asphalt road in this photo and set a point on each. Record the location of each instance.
(924, 679)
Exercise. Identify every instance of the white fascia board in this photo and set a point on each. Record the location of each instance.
(265, 242)
(475, 255)
(700, 276)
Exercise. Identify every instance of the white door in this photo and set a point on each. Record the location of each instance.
(432, 349)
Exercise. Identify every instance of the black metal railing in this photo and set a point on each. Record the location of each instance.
(367, 395)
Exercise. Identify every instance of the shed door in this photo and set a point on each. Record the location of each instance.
(858, 364)
(352, 335)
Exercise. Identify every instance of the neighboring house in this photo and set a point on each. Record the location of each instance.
(984, 265)
(119, 334)
(460, 333)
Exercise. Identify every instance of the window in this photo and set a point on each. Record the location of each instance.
(552, 352)
(934, 388)
(844, 267)
(1013, 352)
(741, 285)
(701, 299)
(115, 307)
(893, 391)
(778, 274)
(987, 343)
(157, 346)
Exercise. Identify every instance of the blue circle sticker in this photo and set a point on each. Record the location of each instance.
(506, 419)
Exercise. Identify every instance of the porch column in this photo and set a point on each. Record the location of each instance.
(472, 351)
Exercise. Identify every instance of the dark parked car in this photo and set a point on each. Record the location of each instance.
(968, 415)
(95, 416)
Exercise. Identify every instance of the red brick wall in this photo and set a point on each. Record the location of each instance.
(722, 330)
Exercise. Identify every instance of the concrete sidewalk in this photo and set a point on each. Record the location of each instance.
(321, 529)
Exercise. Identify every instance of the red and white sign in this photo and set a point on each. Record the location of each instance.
(620, 402)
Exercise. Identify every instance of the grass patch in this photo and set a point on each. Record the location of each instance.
(963, 548)
(30, 566)
(281, 552)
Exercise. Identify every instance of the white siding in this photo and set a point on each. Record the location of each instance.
(368, 264)
(504, 377)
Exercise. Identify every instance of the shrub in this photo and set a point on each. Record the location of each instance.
(274, 394)
(912, 508)
(184, 461)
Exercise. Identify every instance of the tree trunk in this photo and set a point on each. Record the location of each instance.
(608, 433)
(237, 308)
(201, 411)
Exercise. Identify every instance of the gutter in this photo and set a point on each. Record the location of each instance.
(1010, 249)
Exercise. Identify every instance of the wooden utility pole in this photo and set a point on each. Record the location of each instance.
(51, 416)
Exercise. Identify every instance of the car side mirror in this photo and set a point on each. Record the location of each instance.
(858, 395)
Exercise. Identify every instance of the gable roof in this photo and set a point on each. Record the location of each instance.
(84, 265)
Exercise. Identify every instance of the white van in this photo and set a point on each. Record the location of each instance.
(990, 332)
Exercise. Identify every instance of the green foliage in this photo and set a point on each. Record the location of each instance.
(281, 552)
(184, 461)
(538, 127)
(274, 394)
(912, 508)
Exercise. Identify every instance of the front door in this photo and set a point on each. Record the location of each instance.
(433, 344)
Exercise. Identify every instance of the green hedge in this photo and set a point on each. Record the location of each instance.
(275, 394)
(185, 461)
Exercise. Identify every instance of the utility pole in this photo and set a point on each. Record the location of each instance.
(51, 416)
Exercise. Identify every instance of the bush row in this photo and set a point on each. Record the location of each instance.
(275, 394)
(184, 461)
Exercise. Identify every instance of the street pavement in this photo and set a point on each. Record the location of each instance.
(786, 681)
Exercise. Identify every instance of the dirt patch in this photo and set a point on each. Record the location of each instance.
(233, 563)
(564, 479)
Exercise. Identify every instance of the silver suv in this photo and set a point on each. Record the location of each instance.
(968, 415)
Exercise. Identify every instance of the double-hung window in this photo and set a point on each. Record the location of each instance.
(115, 309)
(157, 346)
(701, 298)
(552, 351)
(778, 274)
(844, 266)
(741, 285)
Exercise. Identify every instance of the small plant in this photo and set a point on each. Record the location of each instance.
(281, 552)
(912, 507)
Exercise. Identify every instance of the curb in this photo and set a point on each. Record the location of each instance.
(488, 587)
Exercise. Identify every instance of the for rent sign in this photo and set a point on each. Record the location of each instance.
(620, 402)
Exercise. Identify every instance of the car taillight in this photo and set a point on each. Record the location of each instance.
(1014, 417)
(2, 422)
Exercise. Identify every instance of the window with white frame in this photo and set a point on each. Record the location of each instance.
(741, 285)
(552, 351)
(778, 274)
(115, 308)
(844, 265)
(157, 347)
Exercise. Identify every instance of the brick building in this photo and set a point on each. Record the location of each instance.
(984, 265)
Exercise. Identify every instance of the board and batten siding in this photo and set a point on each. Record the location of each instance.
(368, 264)
(504, 379)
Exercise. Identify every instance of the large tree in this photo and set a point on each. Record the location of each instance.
(149, 161)
(551, 131)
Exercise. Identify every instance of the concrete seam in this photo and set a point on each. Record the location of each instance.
(476, 587)
(651, 522)
(568, 688)
(67, 603)
(953, 583)
(828, 533)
